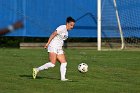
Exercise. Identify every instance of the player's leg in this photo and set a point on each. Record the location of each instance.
(62, 60)
(52, 58)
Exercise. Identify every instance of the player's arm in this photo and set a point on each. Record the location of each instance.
(11, 28)
(50, 39)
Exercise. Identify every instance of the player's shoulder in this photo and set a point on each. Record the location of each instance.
(62, 26)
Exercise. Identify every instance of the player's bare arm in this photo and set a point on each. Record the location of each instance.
(50, 39)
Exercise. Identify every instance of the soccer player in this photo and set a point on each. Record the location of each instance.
(55, 50)
(11, 28)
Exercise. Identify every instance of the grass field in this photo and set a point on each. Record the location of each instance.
(109, 72)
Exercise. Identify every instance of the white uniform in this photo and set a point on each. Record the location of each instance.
(58, 41)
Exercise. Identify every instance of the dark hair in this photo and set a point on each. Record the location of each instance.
(70, 19)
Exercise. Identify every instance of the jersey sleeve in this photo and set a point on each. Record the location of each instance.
(60, 29)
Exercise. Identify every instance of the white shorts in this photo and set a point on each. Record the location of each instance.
(55, 50)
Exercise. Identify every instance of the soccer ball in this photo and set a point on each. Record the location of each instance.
(83, 67)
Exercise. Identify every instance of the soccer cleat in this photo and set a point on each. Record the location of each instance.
(64, 79)
(35, 71)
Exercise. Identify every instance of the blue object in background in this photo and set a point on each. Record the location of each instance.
(42, 17)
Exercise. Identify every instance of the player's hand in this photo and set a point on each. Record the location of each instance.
(17, 25)
(46, 46)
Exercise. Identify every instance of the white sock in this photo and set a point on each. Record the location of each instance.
(45, 66)
(63, 70)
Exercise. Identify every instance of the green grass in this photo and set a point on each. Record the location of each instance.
(109, 72)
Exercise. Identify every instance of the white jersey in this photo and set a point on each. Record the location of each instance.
(58, 40)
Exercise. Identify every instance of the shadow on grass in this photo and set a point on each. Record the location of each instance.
(31, 77)
(41, 77)
(38, 77)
